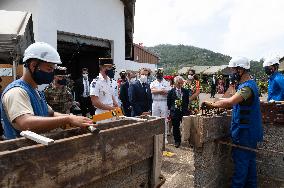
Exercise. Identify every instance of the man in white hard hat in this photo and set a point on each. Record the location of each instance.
(246, 128)
(24, 107)
(276, 79)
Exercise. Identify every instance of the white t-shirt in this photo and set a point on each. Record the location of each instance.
(160, 85)
(17, 102)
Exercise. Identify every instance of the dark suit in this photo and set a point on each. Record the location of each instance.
(85, 102)
(123, 96)
(177, 113)
(213, 85)
(140, 98)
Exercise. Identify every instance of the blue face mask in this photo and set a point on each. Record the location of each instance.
(62, 82)
(42, 77)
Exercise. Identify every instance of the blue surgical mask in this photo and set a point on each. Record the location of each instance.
(42, 77)
(62, 82)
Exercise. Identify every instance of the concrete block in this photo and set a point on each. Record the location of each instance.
(265, 182)
(270, 170)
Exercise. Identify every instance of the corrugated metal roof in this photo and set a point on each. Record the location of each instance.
(215, 69)
(16, 33)
(200, 69)
(183, 70)
(208, 70)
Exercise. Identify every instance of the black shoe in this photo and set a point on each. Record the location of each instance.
(177, 144)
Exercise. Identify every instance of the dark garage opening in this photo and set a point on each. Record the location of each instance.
(76, 56)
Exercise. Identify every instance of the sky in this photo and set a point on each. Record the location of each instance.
(250, 28)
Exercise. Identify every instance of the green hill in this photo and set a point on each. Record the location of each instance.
(174, 57)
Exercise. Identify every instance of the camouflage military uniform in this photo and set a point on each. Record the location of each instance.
(60, 99)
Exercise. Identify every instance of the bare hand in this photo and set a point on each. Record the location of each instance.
(164, 92)
(145, 113)
(115, 104)
(80, 121)
(207, 105)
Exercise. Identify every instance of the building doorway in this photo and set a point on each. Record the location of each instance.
(77, 52)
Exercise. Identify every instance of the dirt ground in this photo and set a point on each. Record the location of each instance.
(178, 169)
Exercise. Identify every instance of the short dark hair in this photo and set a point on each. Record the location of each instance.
(144, 69)
(84, 69)
(192, 70)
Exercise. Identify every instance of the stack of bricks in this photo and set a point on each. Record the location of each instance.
(211, 160)
(270, 162)
(272, 113)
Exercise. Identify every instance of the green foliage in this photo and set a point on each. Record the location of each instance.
(174, 57)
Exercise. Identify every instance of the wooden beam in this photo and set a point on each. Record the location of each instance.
(79, 160)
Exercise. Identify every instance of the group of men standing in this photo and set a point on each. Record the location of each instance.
(30, 110)
(158, 98)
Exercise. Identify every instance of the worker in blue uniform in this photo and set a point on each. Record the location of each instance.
(275, 81)
(24, 107)
(246, 128)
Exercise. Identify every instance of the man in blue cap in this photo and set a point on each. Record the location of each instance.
(246, 128)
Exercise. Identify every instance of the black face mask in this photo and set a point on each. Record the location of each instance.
(235, 77)
(159, 76)
(123, 77)
(42, 77)
(110, 73)
(268, 71)
(62, 82)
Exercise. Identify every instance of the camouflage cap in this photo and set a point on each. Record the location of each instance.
(60, 70)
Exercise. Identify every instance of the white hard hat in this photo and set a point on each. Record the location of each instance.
(271, 61)
(42, 51)
(239, 62)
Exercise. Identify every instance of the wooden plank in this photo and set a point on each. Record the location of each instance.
(186, 125)
(60, 134)
(157, 160)
(79, 160)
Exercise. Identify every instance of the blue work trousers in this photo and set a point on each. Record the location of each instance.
(244, 163)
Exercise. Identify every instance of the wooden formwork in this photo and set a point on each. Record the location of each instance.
(125, 153)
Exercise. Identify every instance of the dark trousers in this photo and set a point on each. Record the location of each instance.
(86, 106)
(126, 110)
(176, 120)
(213, 91)
(1, 131)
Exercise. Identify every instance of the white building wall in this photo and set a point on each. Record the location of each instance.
(96, 18)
